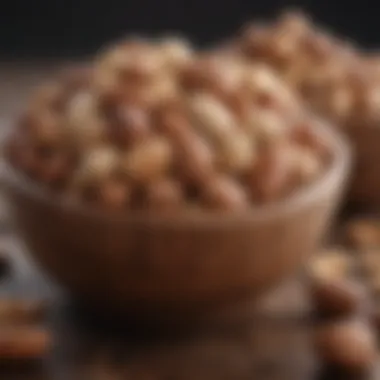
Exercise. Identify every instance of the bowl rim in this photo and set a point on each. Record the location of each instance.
(13, 180)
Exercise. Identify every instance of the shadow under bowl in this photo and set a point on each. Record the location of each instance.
(183, 264)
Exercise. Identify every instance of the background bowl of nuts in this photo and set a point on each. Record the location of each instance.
(335, 78)
(164, 180)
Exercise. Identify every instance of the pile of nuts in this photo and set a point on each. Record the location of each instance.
(158, 126)
(334, 77)
(345, 289)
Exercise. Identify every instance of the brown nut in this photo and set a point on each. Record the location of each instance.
(19, 311)
(307, 165)
(337, 297)
(224, 194)
(350, 345)
(24, 343)
(331, 264)
(130, 125)
(195, 159)
(363, 234)
(113, 194)
(164, 195)
(270, 178)
(148, 161)
(176, 52)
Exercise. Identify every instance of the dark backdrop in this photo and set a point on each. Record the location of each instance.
(67, 27)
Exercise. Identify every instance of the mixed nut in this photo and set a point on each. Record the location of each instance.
(331, 74)
(158, 126)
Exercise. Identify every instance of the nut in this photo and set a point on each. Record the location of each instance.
(148, 161)
(331, 264)
(24, 343)
(225, 194)
(21, 311)
(164, 195)
(337, 297)
(350, 345)
(363, 234)
(114, 194)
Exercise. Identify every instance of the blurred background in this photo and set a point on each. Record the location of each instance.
(65, 28)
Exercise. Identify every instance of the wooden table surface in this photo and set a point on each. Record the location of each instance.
(85, 348)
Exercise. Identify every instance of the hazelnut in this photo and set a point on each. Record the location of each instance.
(337, 297)
(223, 193)
(148, 161)
(164, 195)
(350, 345)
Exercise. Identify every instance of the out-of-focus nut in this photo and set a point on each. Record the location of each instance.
(211, 117)
(54, 170)
(148, 161)
(225, 194)
(337, 297)
(97, 164)
(49, 96)
(266, 126)
(24, 343)
(307, 165)
(131, 125)
(270, 178)
(363, 234)
(113, 194)
(331, 264)
(237, 152)
(195, 158)
(350, 345)
(176, 52)
(83, 122)
(19, 311)
(164, 195)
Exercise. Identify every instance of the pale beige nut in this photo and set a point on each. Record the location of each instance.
(148, 161)
(96, 164)
(176, 52)
(164, 195)
(331, 264)
(83, 124)
(363, 234)
(223, 193)
(24, 343)
(237, 153)
(16, 311)
(350, 345)
(211, 117)
(266, 126)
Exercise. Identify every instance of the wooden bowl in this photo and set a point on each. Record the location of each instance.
(184, 264)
